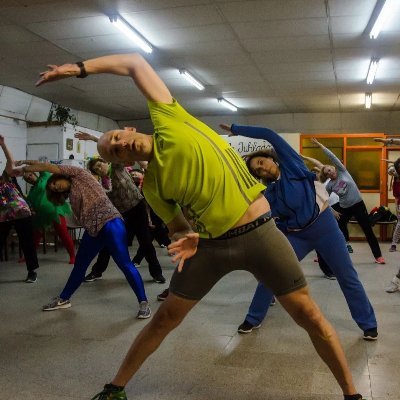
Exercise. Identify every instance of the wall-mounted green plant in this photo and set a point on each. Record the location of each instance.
(61, 114)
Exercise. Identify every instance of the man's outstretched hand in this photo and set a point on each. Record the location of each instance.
(183, 248)
(55, 73)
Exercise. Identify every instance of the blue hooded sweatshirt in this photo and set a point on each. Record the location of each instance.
(292, 196)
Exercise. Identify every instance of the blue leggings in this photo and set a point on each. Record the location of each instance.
(113, 237)
(325, 237)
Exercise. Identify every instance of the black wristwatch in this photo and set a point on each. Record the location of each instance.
(83, 73)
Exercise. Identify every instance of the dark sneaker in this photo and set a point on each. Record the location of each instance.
(92, 277)
(349, 248)
(159, 279)
(162, 296)
(393, 248)
(111, 392)
(32, 277)
(247, 327)
(273, 301)
(144, 310)
(353, 397)
(371, 334)
(56, 304)
(330, 277)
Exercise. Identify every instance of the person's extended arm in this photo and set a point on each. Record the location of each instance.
(184, 240)
(86, 136)
(313, 161)
(335, 161)
(133, 65)
(10, 164)
(36, 166)
(388, 141)
(286, 154)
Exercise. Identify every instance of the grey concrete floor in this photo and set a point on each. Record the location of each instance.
(69, 354)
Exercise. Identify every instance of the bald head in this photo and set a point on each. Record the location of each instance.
(125, 146)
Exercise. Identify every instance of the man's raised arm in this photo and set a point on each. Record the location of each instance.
(133, 65)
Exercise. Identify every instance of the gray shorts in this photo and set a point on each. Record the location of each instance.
(264, 251)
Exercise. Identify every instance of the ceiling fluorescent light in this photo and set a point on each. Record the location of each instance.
(131, 33)
(227, 104)
(368, 100)
(382, 18)
(373, 67)
(191, 79)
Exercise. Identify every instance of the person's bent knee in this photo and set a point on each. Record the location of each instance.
(171, 313)
(306, 313)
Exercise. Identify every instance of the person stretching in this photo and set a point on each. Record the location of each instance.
(47, 214)
(300, 205)
(350, 200)
(126, 198)
(232, 217)
(104, 228)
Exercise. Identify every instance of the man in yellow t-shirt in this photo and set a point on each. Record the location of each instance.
(190, 166)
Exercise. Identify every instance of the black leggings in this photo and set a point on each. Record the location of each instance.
(24, 230)
(359, 211)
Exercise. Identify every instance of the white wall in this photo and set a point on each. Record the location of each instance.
(17, 108)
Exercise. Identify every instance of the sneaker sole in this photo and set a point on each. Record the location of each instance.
(370, 338)
(250, 330)
(30, 281)
(94, 279)
(143, 316)
(58, 307)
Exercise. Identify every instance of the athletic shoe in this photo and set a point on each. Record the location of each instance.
(159, 279)
(371, 334)
(32, 277)
(392, 248)
(330, 277)
(349, 248)
(353, 397)
(380, 260)
(162, 296)
(111, 392)
(394, 285)
(144, 310)
(163, 246)
(56, 303)
(247, 327)
(137, 265)
(273, 301)
(92, 277)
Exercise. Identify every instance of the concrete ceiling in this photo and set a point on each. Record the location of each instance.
(266, 56)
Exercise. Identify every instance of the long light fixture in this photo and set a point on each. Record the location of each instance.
(227, 104)
(368, 100)
(373, 67)
(382, 18)
(131, 33)
(190, 78)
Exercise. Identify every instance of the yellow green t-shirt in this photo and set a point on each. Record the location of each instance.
(195, 168)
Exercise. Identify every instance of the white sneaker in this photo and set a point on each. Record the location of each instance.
(56, 304)
(144, 310)
(394, 285)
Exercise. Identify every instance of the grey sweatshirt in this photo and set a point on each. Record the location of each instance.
(344, 185)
